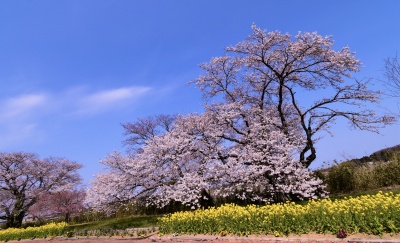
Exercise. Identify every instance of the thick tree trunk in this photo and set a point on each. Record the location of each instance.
(15, 221)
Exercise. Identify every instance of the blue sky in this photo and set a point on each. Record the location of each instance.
(72, 71)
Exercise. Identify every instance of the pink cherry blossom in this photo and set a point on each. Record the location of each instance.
(24, 177)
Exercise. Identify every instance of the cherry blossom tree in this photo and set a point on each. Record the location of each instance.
(59, 203)
(228, 151)
(302, 80)
(145, 129)
(24, 177)
(267, 100)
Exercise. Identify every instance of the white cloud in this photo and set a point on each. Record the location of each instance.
(28, 107)
(115, 95)
(22, 105)
(27, 118)
(110, 99)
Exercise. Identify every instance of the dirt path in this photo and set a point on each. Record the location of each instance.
(310, 238)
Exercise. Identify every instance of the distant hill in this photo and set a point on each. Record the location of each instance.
(380, 155)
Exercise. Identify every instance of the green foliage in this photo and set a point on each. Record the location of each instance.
(353, 176)
(341, 178)
(372, 214)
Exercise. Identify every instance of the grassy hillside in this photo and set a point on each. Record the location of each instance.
(378, 171)
(119, 223)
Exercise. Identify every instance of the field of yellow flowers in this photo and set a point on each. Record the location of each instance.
(52, 229)
(371, 214)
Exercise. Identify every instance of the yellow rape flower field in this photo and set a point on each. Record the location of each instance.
(52, 229)
(370, 214)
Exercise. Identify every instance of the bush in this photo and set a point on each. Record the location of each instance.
(341, 178)
(388, 174)
(351, 176)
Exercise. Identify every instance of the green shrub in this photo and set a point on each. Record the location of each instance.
(388, 173)
(353, 176)
(341, 178)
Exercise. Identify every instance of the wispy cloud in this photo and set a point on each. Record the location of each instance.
(110, 99)
(25, 117)
(19, 118)
(22, 105)
(75, 100)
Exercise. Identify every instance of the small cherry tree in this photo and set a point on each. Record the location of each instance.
(24, 177)
(60, 203)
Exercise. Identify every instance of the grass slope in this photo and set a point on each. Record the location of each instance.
(118, 223)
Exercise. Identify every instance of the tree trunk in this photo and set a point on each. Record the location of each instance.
(67, 217)
(306, 161)
(206, 200)
(15, 221)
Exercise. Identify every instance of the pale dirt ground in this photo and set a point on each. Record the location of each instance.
(308, 238)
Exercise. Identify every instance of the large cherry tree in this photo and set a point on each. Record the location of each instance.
(301, 79)
(230, 150)
(266, 101)
(24, 177)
